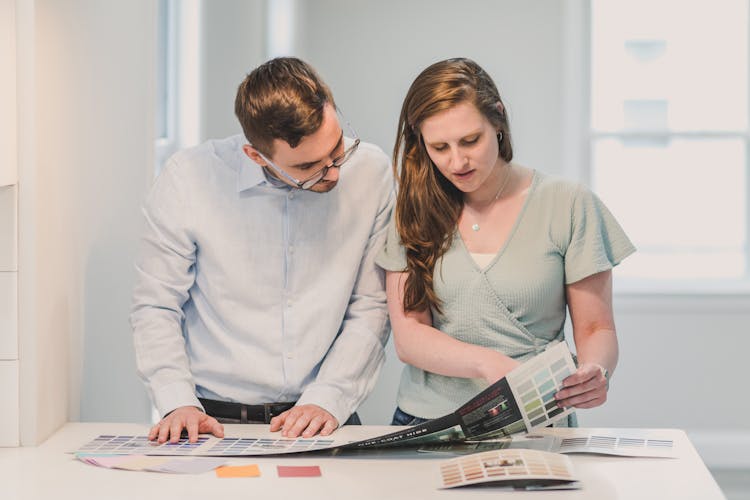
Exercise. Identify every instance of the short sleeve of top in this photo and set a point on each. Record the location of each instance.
(597, 241)
(594, 241)
(392, 257)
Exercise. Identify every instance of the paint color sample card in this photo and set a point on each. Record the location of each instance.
(520, 469)
(178, 465)
(620, 442)
(238, 471)
(535, 383)
(298, 470)
(614, 445)
(205, 446)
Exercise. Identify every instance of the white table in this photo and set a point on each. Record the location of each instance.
(50, 472)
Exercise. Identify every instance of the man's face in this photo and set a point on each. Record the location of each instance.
(313, 153)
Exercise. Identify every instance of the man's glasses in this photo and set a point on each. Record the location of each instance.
(320, 174)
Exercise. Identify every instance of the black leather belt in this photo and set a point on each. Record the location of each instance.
(241, 413)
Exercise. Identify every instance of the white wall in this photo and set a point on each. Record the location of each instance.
(233, 44)
(9, 435)
(369, 53)
(86, 131)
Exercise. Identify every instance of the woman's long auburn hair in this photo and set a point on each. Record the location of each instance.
(427, 204)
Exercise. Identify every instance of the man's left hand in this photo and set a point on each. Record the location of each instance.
(305, 420)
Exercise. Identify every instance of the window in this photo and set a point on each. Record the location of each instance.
(165, 83)
(669, 136)
(177, 78)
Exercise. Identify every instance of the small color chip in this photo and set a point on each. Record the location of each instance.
(298, 470)
(238, 471)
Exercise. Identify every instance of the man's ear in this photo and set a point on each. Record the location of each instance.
(253, 154)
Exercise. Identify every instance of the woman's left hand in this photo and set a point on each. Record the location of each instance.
(586, 388)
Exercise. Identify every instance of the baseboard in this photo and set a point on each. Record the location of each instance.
(722, 449)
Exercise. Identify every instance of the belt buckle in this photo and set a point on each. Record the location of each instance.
(273, 409)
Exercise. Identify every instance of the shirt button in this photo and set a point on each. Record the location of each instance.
(291, 249)
(291, 196)
(289, 303)
(289, 355)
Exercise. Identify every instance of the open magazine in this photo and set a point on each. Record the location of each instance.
(520, 402)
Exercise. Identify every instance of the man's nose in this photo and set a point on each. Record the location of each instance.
(332, 174)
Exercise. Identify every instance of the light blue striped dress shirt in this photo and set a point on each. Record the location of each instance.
(253, 293)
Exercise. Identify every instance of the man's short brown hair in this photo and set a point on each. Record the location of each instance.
(281, 99)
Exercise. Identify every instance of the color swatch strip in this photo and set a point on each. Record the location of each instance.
(205, 446)
(536, 384)
(506, 466)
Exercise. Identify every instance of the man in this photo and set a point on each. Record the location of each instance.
(258, 299)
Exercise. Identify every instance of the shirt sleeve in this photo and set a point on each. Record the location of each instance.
(350, 369)
(597, 242)
(392, 256)
(165, 272)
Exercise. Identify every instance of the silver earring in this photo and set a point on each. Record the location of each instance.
(500, 137)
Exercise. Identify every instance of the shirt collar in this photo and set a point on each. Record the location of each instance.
(251, 175)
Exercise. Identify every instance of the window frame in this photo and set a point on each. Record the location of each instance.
(182, 64)
(578, 142)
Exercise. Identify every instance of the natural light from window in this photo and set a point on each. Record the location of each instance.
(669, 134)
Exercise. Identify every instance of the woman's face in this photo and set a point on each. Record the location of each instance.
(463, 145)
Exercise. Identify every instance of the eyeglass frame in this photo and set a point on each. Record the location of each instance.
(319, 175)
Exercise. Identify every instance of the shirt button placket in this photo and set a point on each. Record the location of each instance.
(288, 341)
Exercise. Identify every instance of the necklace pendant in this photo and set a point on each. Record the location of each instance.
(475, 227)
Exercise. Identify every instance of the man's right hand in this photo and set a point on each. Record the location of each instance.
(185, 417)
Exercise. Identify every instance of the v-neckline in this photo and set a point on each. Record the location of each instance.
(511, 234)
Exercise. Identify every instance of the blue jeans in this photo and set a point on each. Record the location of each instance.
(400, 417)
(353, 420)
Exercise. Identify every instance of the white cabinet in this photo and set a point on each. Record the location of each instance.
(9, 403)
(8, 95)
(8, 229)
(8, 316)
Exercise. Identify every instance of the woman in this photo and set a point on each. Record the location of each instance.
(484, 255)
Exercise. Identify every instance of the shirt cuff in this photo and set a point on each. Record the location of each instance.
(329, 399)
(170, 397)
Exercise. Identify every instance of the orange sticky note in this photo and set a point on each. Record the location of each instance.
(238, 471)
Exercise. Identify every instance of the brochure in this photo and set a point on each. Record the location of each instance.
(522, 401)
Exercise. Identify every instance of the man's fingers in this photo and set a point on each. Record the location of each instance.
(216, 428)
(314, 426)
(210, 424)
(192, 429)
(175, 429)
(163, 431)
(330, 426)
(277, 422)
(295, 424)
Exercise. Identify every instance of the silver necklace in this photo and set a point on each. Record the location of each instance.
(475, 227)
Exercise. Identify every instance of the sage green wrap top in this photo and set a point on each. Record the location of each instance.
(516, 304)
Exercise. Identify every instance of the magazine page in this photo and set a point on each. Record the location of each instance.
(518, 469)
(521, 401)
